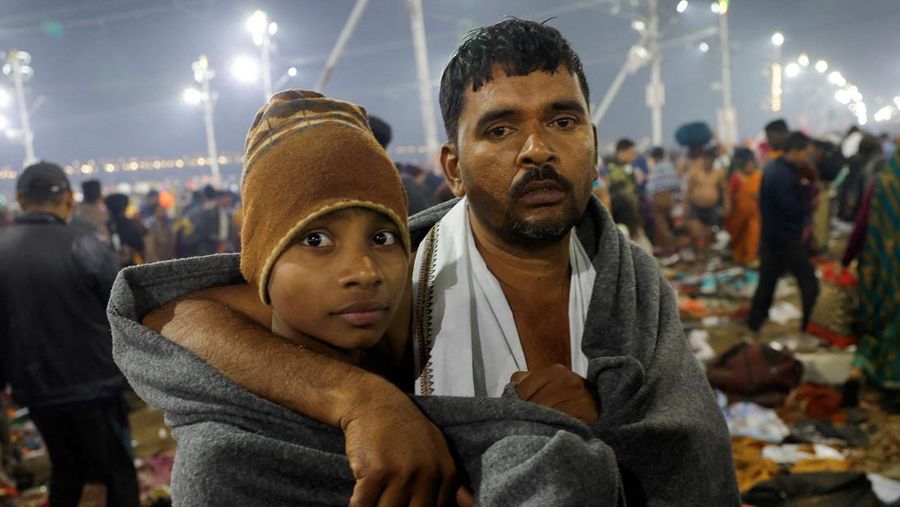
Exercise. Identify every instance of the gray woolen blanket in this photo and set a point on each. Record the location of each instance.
(660, 440)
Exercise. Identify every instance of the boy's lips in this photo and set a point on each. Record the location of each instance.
(363, 313)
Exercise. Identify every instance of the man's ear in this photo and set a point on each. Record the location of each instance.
(450, 165)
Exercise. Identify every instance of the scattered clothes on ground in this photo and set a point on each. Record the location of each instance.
(756, 373)
(825, 489)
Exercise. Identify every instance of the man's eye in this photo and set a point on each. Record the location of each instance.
(316, 239)
(498, 132)
(564, 122)
(385, 238)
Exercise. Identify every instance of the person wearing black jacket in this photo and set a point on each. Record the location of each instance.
(786, 204)
(55, 342)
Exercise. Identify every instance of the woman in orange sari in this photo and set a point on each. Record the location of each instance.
(743, 222)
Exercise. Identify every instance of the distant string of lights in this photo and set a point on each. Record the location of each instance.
(133, 164)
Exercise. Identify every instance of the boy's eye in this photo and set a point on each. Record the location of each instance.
(316, 239)
(385, 238)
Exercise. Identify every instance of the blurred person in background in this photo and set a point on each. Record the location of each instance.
(159, 240)
(663, 190)
(91, 211)
(126, 233)
(411, 176)
(743, 222)
(874, 242)
(863, 168)
(623, 191)
(55, 342)
(786, 203)
(706, 201)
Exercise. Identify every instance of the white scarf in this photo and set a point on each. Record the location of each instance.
(465, 337)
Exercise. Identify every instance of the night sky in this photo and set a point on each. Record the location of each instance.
(109, 75)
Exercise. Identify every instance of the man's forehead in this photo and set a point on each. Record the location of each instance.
(505, 90)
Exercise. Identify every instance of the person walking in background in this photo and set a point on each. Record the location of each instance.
(743, 223)
(91, 211)
(55, 342)
(159, 239)
(623, 191)
(786, 203)
(663, 189)
(874, 243)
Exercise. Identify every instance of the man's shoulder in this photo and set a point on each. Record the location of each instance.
(422, 222)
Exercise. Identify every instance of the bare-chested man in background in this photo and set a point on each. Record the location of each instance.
(707, 201)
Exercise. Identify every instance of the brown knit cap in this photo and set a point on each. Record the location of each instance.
(307, 155)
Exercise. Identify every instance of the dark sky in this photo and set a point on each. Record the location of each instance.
(109, 75)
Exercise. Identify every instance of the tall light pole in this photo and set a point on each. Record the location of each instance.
(656, 91)
(728, 115)
(17, 67)
(776, 89)
(203, 74)
(425, 103)
(263, 30)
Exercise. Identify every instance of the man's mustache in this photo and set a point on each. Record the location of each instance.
(544, 172)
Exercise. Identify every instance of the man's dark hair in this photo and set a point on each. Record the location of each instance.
(381, 130)
(658, 153)
(520, 47)
(117, 204)
(777, 126)
(91, 191)
(624, 144)
(796, 141)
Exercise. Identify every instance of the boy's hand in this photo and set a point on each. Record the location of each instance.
(559, 388)
(397, 455)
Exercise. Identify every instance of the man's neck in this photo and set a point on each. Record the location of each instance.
(538, 271)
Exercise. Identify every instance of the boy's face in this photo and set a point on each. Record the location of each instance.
(342, 279)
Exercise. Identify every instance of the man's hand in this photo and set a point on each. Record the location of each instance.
(398, 456)
(559, 388)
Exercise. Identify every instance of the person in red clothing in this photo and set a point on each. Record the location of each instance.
(743, 222)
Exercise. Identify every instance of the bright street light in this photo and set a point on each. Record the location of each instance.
(3, 122)
(884, 114)
(639, 25)
(262, 30)
(682, 6)
(803, 60)
(714, 7)
(836, 78)
(821, 66)
(704, 47)
(842, 96)
(192, 96)
(245, 69)
(792, 69)
(777, 38)
(5, 98)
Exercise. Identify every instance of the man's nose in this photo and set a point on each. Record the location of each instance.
(536, 151)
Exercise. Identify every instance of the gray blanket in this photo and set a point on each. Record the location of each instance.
(660, 440)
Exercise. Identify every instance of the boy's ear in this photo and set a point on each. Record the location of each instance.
(450, 165)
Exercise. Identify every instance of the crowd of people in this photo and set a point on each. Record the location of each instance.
(526, 287)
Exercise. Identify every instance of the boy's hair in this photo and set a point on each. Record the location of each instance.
(520, 47)
(657, 153)
(796, 141)
(624, 144)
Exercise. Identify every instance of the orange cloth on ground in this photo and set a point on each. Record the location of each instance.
(743, 223)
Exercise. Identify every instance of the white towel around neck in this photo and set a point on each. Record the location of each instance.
(465, 339)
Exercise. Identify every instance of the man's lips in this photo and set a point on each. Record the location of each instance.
(541, 193)
(362, 314)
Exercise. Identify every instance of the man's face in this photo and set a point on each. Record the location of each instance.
(799, 157)
(627, 156)
(525, 155)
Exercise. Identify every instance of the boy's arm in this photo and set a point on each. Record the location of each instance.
(396, 454)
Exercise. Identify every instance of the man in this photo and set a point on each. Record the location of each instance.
(91, 211)
(776, 134)
(620, 177)
(55, 340)
(786, 203)
(504, 284)
(663, 188)
(706, 201)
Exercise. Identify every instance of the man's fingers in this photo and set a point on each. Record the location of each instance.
(519, 376)
(464, 497)
(395, 495)
(532, 384)
(366, 492)
(423, 489)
